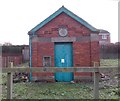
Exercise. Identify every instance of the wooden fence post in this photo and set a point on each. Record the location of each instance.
(0, 74)
(9, 83)
(96, 83)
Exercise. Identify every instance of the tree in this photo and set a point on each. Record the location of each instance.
(7, 44)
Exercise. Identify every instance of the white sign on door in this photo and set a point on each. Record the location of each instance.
(62, 61)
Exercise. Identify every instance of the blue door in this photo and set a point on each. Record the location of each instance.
(63, 58)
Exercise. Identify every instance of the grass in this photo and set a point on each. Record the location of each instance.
(59, 91)
(54, 91)
(109, 62)
(32, 90)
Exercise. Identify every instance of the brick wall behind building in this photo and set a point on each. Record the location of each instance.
(17, 59)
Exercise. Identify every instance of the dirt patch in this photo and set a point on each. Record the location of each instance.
(110, 79)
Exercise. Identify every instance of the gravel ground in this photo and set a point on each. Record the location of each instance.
(110, 79)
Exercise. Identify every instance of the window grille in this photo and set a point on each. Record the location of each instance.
(46, 61)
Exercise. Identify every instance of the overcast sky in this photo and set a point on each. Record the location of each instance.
(17, 17)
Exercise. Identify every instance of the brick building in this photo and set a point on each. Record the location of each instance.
(17, 54)
(104, 37)
(11, 53)
(17, 59)
(63, 40)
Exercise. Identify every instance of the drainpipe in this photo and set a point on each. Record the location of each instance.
(31, 35)
(90, 51)
(30, 54)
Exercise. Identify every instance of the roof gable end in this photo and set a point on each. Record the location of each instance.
(59, 11)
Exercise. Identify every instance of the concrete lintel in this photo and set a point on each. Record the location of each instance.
(94, 37)
(63, 39)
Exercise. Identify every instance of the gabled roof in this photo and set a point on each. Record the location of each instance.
(69, 13)
(103, 31)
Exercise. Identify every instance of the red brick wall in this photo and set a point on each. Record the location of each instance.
(15, 58)
(81, 53)
(95, 51)
(75, 28)
(84, 52)
(39, 50)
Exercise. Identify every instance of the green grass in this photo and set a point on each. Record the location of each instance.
(59, 91)
(109, 62)
(53, 91)
(31, 90)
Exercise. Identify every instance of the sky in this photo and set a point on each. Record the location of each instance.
(17, 17)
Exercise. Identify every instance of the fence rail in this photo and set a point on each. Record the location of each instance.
(96, 70)
(55, 69)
